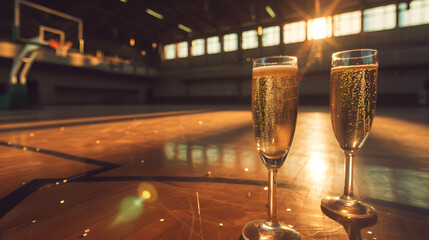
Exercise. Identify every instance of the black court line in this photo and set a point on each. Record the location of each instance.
(11, 200)
(401, 206)
(59, 154)
(8, 202)
(55, 125)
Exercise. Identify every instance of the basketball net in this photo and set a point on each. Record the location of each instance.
(61, 48)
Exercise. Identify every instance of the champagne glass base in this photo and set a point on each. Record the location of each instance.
(346, 208)
(261, 229)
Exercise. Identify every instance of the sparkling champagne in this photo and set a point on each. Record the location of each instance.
(274, 108)
(353, 91)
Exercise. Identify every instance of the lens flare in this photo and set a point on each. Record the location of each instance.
(131, 208)
(147, 192)
(146, 195)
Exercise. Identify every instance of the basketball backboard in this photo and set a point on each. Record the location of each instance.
(38, 24)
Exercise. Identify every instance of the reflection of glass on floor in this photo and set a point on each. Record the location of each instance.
(353, 226)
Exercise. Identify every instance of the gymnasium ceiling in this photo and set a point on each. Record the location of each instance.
(120, 20)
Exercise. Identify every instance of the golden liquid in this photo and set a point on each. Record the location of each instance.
(274, 108)
(353, 95)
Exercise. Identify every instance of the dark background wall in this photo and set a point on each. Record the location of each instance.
(223, 78)
(52, 84)
(403, 68)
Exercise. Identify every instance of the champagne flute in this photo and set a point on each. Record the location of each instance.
(353, 94)
(274, 110)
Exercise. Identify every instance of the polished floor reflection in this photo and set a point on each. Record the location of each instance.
(192, 172)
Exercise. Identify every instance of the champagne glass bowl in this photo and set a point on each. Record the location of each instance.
(274, 111)
(353, 94)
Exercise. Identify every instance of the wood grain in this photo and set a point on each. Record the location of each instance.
(112, 163)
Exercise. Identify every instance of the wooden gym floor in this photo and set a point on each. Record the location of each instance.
(192, 172)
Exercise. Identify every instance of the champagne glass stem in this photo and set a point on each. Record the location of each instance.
(272, 197)
(348, 169)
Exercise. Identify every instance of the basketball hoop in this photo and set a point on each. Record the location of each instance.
(61, 48)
